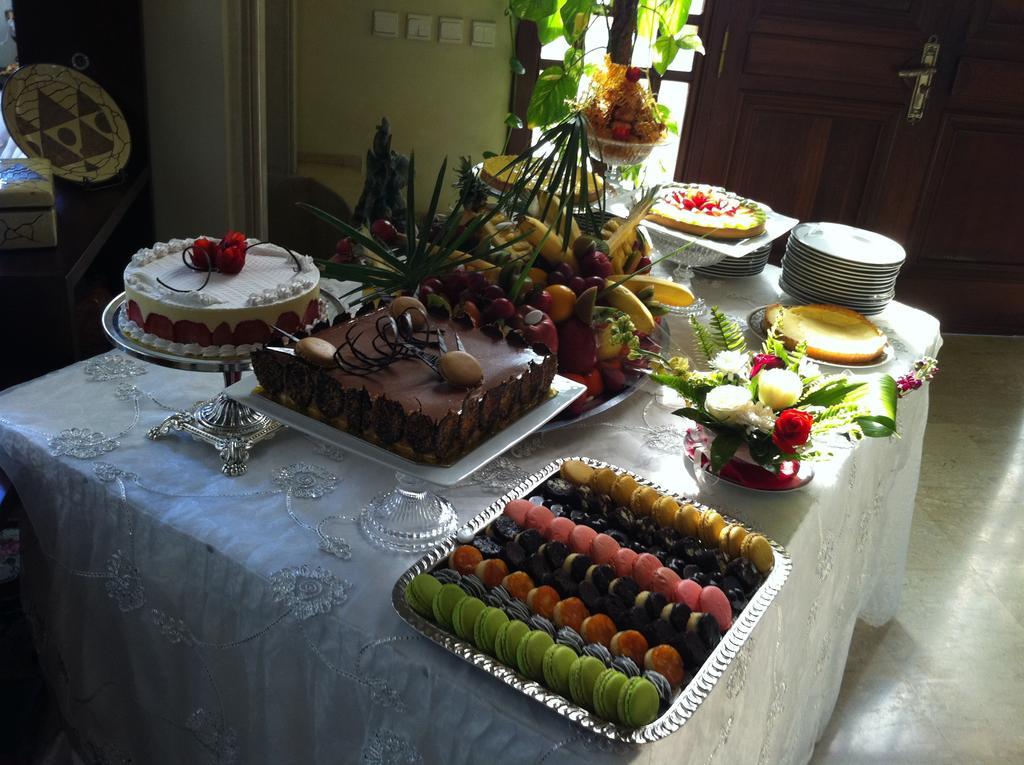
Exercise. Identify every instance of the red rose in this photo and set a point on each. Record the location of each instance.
(792, 429)
(204, 254)
(765, 361)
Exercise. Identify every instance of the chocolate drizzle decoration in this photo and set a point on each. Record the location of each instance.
(405, 333)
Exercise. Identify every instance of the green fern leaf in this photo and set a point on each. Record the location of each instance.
(726, 332)
(707, 344)
(795, 356)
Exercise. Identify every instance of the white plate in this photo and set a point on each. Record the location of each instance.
(832, 266)
(566, 392)
(817, 274)
(853, 244)
(867, 310)
(756, 323)
(863, 294)
(840, 263)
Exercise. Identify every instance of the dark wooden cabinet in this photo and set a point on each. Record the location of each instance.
(50, 298)
(804, 107)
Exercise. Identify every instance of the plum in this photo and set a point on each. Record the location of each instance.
(596, 264)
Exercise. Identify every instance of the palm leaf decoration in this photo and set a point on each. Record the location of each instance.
(389, 271)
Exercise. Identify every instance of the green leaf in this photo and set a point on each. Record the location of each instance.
(707, 343)
(513, 121)
(647, 21)
(665, 115)
(549, 102)
(831, 393)
(877, 399)
(695, 414)
(726, 332)
(665, 50)
(549, 28)
(723, 448)
(489, 154)
(516, 65)
(674, 16)
(533, 10)
(575, 16)
(690, 40)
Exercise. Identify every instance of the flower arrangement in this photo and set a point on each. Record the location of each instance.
(771, 409)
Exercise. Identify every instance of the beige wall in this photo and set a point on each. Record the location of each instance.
(441, 99)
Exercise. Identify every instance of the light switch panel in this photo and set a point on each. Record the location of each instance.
(483, 34)
(419, 27)
(385, 23)
(449, 30)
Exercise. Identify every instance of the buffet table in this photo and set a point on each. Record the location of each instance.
(183, 616)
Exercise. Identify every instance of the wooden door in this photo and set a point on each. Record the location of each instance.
(802, 106)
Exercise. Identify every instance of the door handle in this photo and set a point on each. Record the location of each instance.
(922, 76)
(921, 71)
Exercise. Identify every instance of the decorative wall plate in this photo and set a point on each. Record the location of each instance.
(61, 115)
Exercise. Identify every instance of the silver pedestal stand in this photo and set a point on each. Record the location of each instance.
(228, 426)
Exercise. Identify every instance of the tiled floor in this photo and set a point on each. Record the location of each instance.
(944, 681)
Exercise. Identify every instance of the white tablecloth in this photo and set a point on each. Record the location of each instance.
(183, 616)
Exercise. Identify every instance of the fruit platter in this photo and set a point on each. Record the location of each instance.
(522, 264)
(598, 594)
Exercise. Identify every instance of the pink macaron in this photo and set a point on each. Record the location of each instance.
(581, 539)
(517, 510)
(665, 581)
(624, 560)
(603, 549)
(688, 592)
(538, 517)
(644, 568)
(713, 601)
(559, 530)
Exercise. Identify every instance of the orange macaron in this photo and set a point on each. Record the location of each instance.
(542, 600)
(518, 584)
(464, 559)
(629, 643)
(598, 628)
(570, 613)
(492, 571)
(666, 661)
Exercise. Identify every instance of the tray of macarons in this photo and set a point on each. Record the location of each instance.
(598, 594)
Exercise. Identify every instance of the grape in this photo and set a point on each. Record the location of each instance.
(594, 281)
(383, 230)
(557, 277)
(493, 292)
(502, 308)
(434, 283)
(577, 284)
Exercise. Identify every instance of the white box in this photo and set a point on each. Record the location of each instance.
(27, 216)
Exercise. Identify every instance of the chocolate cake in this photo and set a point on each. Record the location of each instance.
(405, 406)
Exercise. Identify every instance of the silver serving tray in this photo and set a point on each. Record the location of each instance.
(689, 699)
(565, 392)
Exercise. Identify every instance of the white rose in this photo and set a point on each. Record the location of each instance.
(725, 401)
(731, 363)
(778, 388)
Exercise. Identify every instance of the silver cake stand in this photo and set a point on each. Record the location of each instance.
(230, 427)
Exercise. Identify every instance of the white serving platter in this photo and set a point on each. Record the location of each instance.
(565, 392)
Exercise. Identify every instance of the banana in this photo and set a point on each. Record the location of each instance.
(552, 217)
(665, 291)
(551, 248)
(621, 298)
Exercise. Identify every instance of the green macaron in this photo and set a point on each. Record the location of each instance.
(582, 675)
(464, 616)
(445, 600)
(638, 702)
(530, 653)
(486, 628)
(507, 640)
(606, 694)
(558, 659)
(420, 592)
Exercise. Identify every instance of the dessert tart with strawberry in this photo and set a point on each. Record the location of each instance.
(622, 114)
(217, 298)
(707, 211)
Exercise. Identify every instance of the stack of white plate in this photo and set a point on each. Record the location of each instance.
(833, 263)
(750, 264)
